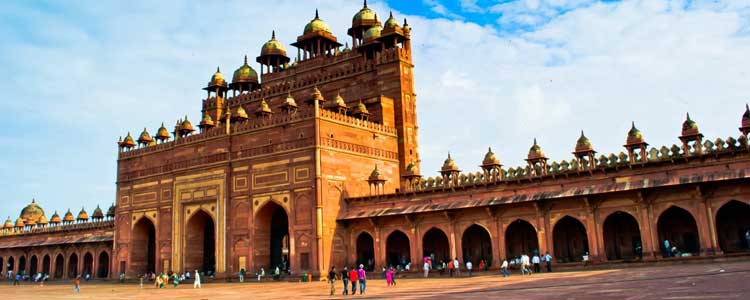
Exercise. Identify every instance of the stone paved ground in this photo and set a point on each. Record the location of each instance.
(693, 281)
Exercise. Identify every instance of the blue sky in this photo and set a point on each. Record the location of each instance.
(78, 74)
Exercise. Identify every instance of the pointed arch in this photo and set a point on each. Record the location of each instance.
(733, 226)
(520, 238)
(677, 226)
(365, 245)
(570, 240)
(143, 250)
(397, 248)
(622, 236)
(435, 244)
(476, 244)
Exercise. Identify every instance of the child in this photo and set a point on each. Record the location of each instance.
(77, 284)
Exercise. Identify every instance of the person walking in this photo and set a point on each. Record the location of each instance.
(426, 266)
(667, 249)
(197, 281)
(17, 280)
(332, 279)
(345, 279)
(548, 261)
(469, 267)
(242, 275)
(277, 274)
(361, 274)
(525, 265)
(450, 268)
(457, 266)
(504, 266)
(77, 284)
(353, 280)
(389, 277)
(536, 261)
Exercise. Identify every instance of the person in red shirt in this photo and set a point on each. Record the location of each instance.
(353, 279)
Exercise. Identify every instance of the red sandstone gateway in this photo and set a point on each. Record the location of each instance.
(316, 164)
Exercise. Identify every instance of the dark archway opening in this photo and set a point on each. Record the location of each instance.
(88, 264)
(366, 251)
(33, 265)
(2, 268)
(200, 243)
(143, 253)
(22, 265)
(397, 249)
(521, 238)
(73, 266)
(732, 224)
(678, 227)
(11, 264)
(103, 265)
(272, 238)
(46, 264)
(280, 239)
(59, 266)
(570, 240)
(476, 245)
(622, 237)
(435, 244)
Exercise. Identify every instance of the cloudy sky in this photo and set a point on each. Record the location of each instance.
(78, 74)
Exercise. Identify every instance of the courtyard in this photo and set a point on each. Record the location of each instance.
(682, 281)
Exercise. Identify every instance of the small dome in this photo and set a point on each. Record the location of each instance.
(273, 47)
(391, 23)
(535, 151)
(55, 218)
(406, 26)
(128, 142)
(746, 117)
(360, 109)
(263, 108)
(217, 79)
(373, 33)
(162, 133)
(316, 25)
(68, 217)
(316, 95)
(207, 121)
(98, 213)
(490, 159)
(32, 212)
(240, 114)
(289, 101)
(145, 138)
(364, 14)
(245, 73)
(375, 175)
(346, 48)
(82, 215)
(689, 126)
(43, 220)
(338, 102)
(634, 135)
(583, 144)
(449, 165)
(186, 126)
(111, 211)
(8, 223)
(20, 223)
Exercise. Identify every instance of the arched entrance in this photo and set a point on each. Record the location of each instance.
(272, 237)
(397, 249)
(59, 266)
(678, 226)
(143, 253)
(73, 266)
(88, 264)
(22, 265)
(732, 222)
(570, 239)
(476, 245)
(200, 243)
(520, 238)
(46, 264)
(366, 251)
(33, 265)
(622, 237)
(103, 265)
(435, 243)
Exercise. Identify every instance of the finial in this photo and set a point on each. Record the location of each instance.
(489, 149)
(405, 23)
(747, 108)
(449, 155)
(186, 118)
(391, 16)
(273, 34)
(217, 69)
(365, 3)
(688, 116)
(376, 166)
(582, 133)
(33, 200)
(633, 125)
(245, 58)
(376, 17)
(534, 141)
(316, 14)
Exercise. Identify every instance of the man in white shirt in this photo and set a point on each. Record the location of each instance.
(504, 266)
(535, 260)
(457, 266)
(525, 265)
(469, 266)
(548, 261)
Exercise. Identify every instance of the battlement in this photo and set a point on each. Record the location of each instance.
(104, 224)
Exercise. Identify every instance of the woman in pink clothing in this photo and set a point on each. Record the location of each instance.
(389, 276)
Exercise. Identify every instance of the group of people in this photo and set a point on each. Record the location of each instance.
(526, 263)
(354, 276)
(17, 278)
(163, 279)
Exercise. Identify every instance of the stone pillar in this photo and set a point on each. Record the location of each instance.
(500, 240)
(706, 230)
(495, 239)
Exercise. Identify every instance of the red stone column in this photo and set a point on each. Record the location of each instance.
(379, 247)
(650, 235)
(500, 240)
(705, 228)
(495, 234)
(415, 249)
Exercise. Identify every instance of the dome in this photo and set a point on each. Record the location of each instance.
(273, 47)
(535, 152)
(8, 224)
(55, 218)
(746, 117)
(338, 102)
(43, 220)
(245, 73)
(240, 114)
(19, 223)
(373, 32)
(490, 159)
(411, 169)
(111, 210)
(289, 101)
(583, 144)
(82, 215)
(31, 212)
(364, 14)
(360, 109)
(68, 217)
(449, 165)
(263, 108)
(217, 79)
(207, 121)
(634, 135)
(375, 175)
(391, 23)
(316, 25)
(689, 126)
(128, 142)
(186, 126)
(316, 95)
(162, 133)
(145, 138)
(98, 213)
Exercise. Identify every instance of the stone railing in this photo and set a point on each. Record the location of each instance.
(335, 116)
(171, 166)
(106, 223)
(361, 149)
